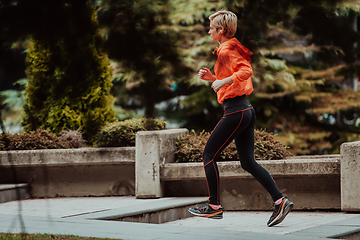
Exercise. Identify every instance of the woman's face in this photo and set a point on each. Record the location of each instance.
(215, 34)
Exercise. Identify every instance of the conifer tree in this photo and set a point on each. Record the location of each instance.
(139, 39)
(69, 73)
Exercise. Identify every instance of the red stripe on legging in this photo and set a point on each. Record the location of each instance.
(202, 156)
(238, 111)
(212, 160)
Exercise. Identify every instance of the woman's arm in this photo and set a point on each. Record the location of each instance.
(217, 84)
(242, 69)
(205, 74)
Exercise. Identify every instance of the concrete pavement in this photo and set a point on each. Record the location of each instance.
(75, 216)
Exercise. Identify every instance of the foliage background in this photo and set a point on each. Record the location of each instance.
(305, 68)
(305, 63)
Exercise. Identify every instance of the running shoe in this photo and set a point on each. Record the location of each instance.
(280, 212)
(207, 211)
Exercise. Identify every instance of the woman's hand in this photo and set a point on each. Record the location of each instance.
(206, 75)
(217, 84)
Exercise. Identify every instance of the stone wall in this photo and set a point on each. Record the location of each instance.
(149, 171)
(71, 172)
(312, 182)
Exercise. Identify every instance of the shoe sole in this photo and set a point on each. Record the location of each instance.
(216, 215)
(282, 215)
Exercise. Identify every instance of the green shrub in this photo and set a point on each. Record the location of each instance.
(72, 139)
(119, 134)
(267, 148)
(4, 141)
(39, 139)
(69, 78)
(190, 148)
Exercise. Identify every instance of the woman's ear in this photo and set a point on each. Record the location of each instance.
(221, 30)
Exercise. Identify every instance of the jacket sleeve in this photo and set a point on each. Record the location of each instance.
(241, 68)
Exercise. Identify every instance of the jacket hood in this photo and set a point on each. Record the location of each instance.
(233, 43)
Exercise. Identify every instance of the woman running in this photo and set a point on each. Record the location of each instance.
(232, 83)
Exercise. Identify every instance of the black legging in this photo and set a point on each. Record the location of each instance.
(237, 123)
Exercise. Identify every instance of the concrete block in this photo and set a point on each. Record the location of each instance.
(350, 176)
(75, 180)
(12, 192)
(239, 194)
(72, 172)
(311, 183)
(153, 148)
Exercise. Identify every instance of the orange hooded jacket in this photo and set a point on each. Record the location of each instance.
(233, 61)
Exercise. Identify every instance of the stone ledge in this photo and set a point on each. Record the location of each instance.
(64, 157)
(286, 168)
(71, 172)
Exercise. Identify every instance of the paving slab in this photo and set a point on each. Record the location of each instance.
(125, 230)
(64, 207)
(67, 216)
(255, 221)
(335, 228)
(160, 205)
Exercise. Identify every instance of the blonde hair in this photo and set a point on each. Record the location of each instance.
(225, 19)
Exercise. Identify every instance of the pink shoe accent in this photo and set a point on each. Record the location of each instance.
(215, 207)
(278, 201)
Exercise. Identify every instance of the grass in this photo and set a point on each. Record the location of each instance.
(20, 236)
